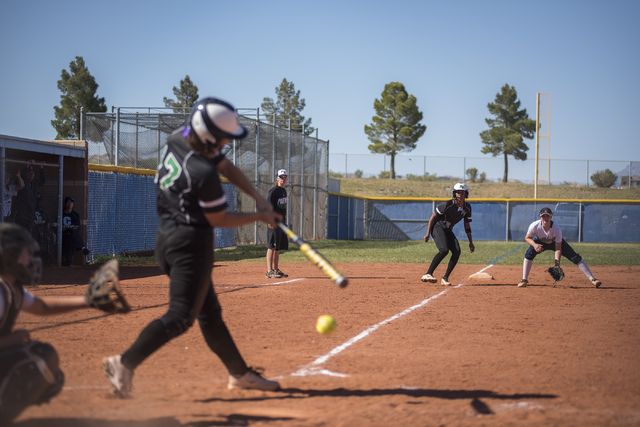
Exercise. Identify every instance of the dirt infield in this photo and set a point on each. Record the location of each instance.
(405, 352)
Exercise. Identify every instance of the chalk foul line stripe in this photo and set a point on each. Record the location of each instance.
(312, 368)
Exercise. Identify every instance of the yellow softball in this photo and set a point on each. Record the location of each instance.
(326, 324)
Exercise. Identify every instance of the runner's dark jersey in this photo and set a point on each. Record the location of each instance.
(449, 212)
(187, 183)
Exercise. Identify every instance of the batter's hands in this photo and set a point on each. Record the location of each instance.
(271, 218)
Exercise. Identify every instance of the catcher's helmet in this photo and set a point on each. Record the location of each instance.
(213, 119)
(13, 241)
(461, 186)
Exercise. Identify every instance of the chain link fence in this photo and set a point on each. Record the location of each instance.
(134, 139)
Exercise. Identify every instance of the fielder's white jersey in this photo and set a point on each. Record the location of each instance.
(553, 235)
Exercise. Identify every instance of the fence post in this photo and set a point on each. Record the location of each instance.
(315, 186)
(116, 148)
(257, 177)
(135, 160)
(302, 189)
(506, 234)
(289, 170)
(326, 205)
(82, 123)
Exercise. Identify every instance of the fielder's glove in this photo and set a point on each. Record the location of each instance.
(103, 291)
(556, 272)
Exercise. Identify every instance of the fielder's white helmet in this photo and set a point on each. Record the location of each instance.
(461, 186)
(213, 119)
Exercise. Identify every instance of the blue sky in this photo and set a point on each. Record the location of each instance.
(453, 56)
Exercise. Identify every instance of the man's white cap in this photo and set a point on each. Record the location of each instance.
(282, 172)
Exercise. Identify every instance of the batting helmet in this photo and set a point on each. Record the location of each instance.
(13, 241)
(213, 119)
(461, 186)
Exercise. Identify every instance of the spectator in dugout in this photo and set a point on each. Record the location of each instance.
(10, 190)
(26, 199)
(71, 240)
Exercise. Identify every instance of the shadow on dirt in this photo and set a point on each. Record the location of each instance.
(221, 420)
(295, 393)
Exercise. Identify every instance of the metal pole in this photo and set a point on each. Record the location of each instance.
(587, 173)
(345, 165)
(506, 234)
(2, 172)
(116, 148)
(60, 206)
(326, 205)
(82, 123)
(302, 189)
(315, 186)
(535, 177)
(629, 175)
(135, 160)
(273, 151)
(257, 177)
(464, 169)
(289, 170)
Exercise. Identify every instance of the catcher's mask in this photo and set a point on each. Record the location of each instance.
(461, 186)
(212, 120)
(14, 240)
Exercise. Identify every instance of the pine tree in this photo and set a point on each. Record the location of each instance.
(78, 89)
(396, 126)
(288, 106)
(186, 96)
(508, 128)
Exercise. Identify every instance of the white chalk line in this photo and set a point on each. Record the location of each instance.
(258, 286)
(313, 369)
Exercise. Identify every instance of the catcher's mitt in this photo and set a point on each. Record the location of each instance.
(103, 291)
(556, 272)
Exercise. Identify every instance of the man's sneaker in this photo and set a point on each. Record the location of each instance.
(523, 283)
(428, 278)
(119, 376)
(252, 380)
(270, 274)
(281, 274)
(596, 282)
(445, 282)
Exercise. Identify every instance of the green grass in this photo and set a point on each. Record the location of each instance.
(417, 252)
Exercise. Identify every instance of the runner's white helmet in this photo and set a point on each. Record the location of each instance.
(461, 186)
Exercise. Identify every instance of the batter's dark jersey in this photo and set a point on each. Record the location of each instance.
(188, 184)
(449, 214)
(278, 198)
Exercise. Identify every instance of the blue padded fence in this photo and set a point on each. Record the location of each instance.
(597, 221)
(121, 213)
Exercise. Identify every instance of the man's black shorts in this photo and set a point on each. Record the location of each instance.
(277, 239)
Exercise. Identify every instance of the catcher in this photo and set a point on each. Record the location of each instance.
(544, 235)
(29, 370)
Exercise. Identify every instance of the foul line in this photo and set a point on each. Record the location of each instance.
(493, 261)
(258, 286)
(312, 368)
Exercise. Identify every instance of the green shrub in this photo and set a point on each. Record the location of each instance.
(604, 179)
